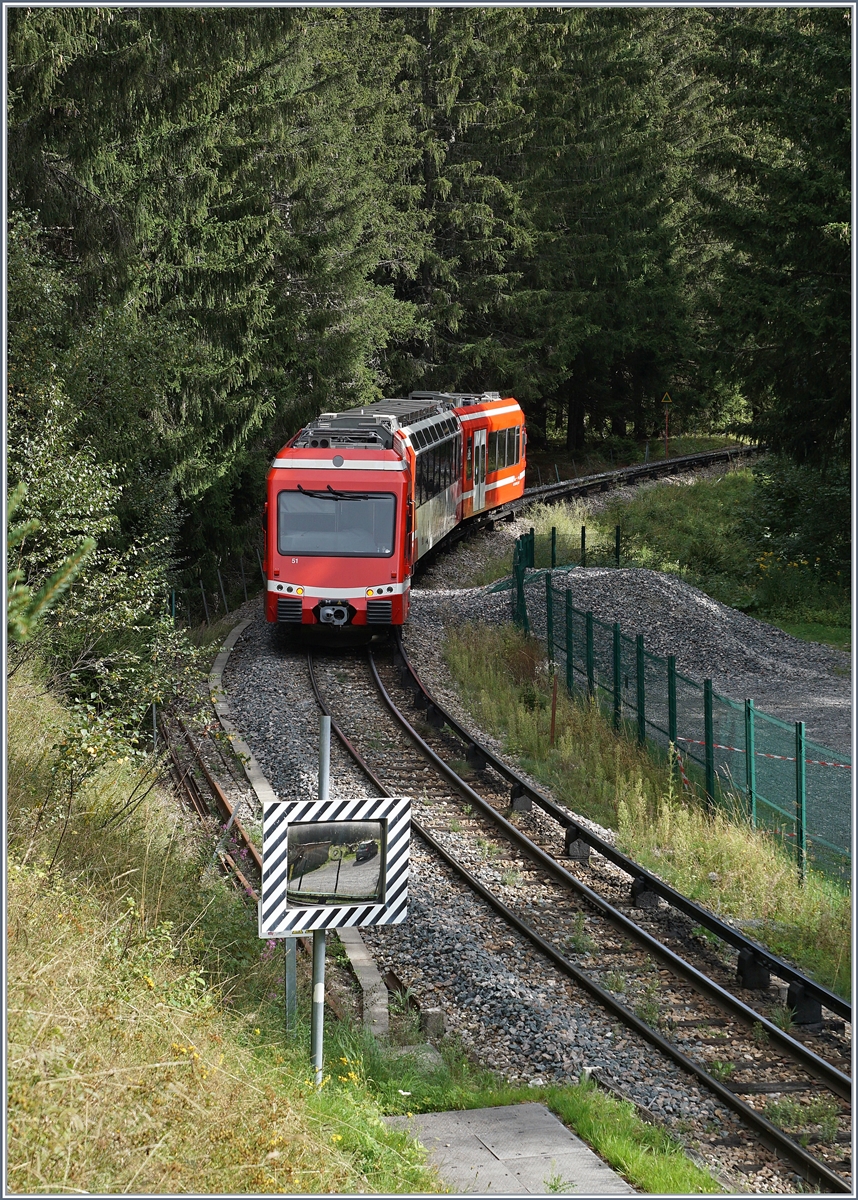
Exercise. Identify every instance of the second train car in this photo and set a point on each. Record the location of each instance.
(356, 498)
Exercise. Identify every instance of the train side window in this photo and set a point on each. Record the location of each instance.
(468, 457)
(420, 481)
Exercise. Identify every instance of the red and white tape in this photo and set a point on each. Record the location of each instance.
(812, 762)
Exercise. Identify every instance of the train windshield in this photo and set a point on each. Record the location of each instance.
(336, 524)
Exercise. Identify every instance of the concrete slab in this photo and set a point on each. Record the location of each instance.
(516, 1150)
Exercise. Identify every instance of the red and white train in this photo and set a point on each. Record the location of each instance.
(356, 498)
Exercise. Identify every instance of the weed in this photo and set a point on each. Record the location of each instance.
(579, 939)
(556, 1184)
(721, 1070)
(647, 1007)
(455, 826)
(614, 981)
(758, 1033)
(783, 1017)
(511, 878)
(792, 1114)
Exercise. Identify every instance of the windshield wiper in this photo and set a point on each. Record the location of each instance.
(330, 494)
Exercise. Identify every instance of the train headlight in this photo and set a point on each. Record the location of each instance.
(299, 591)
(370, 592)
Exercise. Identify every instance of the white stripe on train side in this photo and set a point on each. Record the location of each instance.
(348, 464)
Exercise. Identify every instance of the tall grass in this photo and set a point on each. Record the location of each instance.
(504, 681)
(146, 1049)
(146, 1046)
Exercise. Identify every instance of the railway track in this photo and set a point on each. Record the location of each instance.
(662, 969)
(484, 826)
(603, 481)
(589, 931)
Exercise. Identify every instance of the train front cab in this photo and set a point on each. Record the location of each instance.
(338, 539)
(494, 455)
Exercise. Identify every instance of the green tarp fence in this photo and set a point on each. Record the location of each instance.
(730, 752)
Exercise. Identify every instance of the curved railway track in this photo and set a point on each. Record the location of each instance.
(683, 1007)
(603, 481)
(611, 931)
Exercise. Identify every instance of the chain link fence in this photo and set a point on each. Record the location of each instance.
(729, 753)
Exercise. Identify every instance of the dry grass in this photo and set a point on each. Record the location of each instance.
(146, 1051)
(743, 873)
(504, 682)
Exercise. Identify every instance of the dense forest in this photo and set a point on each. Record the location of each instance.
(222, 221)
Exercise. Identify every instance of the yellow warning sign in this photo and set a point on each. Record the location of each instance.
(666, 398)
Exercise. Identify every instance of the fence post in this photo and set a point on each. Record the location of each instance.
(591, 661)
(709, 738)
(259, 560)
(639, 654)
(618, 675)
(532, 551)
(553, 547)
(222, 589)
(751, 764)
(800, 800)
(570, 660)
(549, 617)
(205, 603)
(243, 580)
(583, 545)
(617, 545)
(671, 699)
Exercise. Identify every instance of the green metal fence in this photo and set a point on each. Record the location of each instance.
(727, 751)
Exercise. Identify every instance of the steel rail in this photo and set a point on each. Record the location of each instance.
(834, 1079)
(701, 916)
(221, 797)
(814, 1172)
(604, 480)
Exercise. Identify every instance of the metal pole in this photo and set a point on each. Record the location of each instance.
(709, 739)
(318, 1012)
(570, 661)
(318, 1020)
(553, 547)
(549, 617)
(801, 800)
(591, 662)
(259, 560)
(671, 699)
(641, 682)
(666, 416)
(556, 472)
(243, 580)
(222, 590)
(751, 764)
(583, 545)
(290, 981)
(205, 603)
(618, 671)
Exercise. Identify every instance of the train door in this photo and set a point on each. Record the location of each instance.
(479, 453)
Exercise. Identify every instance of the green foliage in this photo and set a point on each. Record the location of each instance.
(730, 868)
(775, 185)
(803, 514)
(23, 608)
(748, 538)
(718, 862)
